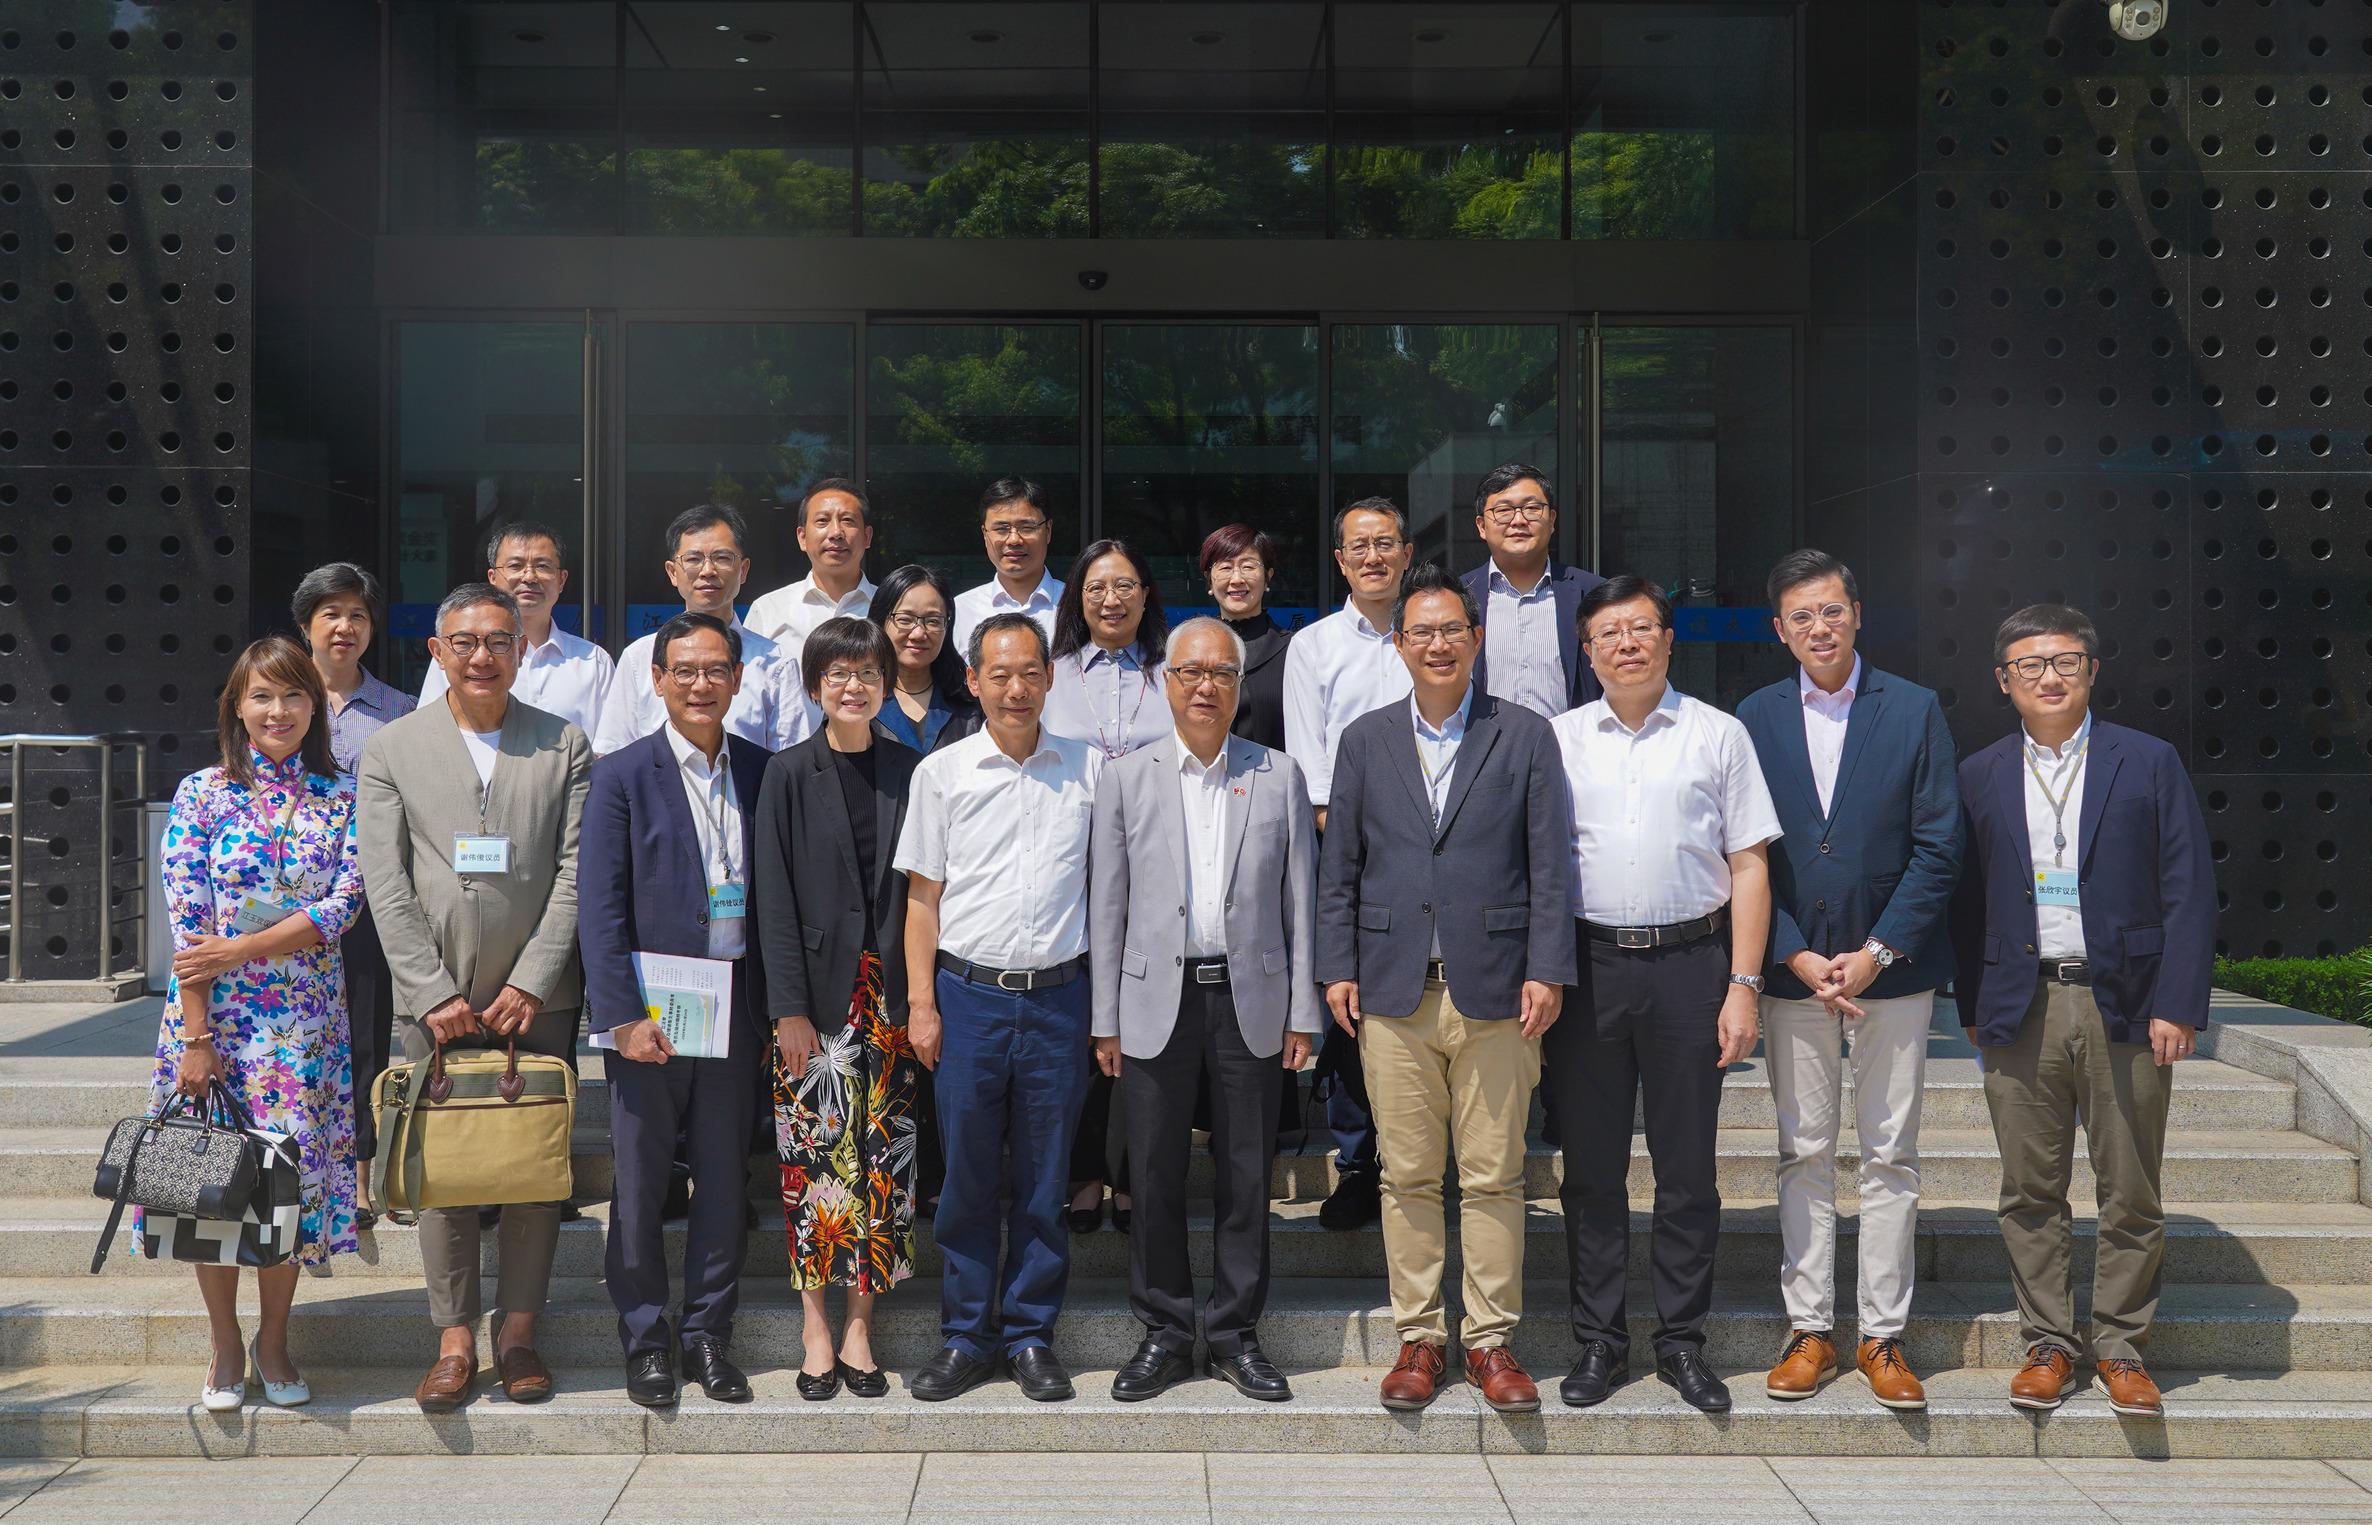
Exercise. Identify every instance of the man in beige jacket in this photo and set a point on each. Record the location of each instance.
(468, 821)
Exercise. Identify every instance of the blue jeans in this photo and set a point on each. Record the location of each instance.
(1012, 1076)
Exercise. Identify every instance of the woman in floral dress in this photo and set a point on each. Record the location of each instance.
(261, 880)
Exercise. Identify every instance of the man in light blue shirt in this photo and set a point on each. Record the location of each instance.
(1531, 643)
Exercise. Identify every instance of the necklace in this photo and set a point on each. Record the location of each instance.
(1103, 737)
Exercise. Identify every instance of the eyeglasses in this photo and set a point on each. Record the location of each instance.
(1118, 587)
(1831, 615)
(1425, 635)
(518, 568)
(1222, 678)
(907, 624)
(1642, 631)
(2065, 663)
(686, 677)
(1241, 567)
(842, 677)
(1381, 545)
(466, 646)
(698, 561)
(1508, 513)
(1014, 529)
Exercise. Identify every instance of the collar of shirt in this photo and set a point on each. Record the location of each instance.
(1546, 587)
(289, 770)
(1667, 709)
(1092, 655)
(374, 696)
(549, 649)
(1820, 698)
(1042, 596)
(2074, 744)
(806, 591)
(1359, 625)
(688, 758)
(992, 755)
(1194, 767)
(1450, 730)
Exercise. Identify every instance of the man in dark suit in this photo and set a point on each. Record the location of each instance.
(1861, 768)
(1530, 605)
(1444, 944)
(664, 868)
(2084, 929)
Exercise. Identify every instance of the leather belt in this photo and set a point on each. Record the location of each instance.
(1207, 971)
(1435, 972)
(1018, 981)
(1678, 934)
(2066, 971)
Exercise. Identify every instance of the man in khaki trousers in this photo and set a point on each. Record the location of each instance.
(468, 824)
(1444, 945)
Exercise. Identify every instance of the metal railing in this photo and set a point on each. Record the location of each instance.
(12, 917)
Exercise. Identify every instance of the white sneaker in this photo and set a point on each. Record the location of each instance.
(285, 1395)
(223, 1400)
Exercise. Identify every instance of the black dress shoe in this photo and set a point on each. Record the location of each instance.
(950, 1374)
(863, 1384)
(816, 1388)
(650, 1380)
(1597, 1373)
(1252, 1374)
(1357, 1201)
(1040, 1374)
(1122, 1217)
(705, 1363)
(1687, 1372)
(1152, 1371)
(1086, 1220)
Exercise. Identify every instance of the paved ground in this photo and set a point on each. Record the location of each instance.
(1180, 1486)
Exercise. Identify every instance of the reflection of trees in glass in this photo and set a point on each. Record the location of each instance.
(991, 188)
(735, 190)
(535, 183)
(1466, 190)
(1682, 185)
(1172, 189)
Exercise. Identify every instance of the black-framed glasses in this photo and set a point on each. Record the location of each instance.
(2066, 664)
(466, 646)
(1508, 513)
(687, 676)
(1425, 635)
(1195, 677)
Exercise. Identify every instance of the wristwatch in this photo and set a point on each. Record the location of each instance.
(1879, 951)
(1753, 982)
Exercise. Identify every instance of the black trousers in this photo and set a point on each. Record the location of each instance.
(370, 1023)
(709, 1103)
(1160, 1096)
(1641, 1022)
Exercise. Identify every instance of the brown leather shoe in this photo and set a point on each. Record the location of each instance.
(1502, 1380)
(1889, 1375)
(1415, 1377)
(447, 1385)
(2130, 1390)
(1809, 1360)
(525, 1378)
(2042, 1382)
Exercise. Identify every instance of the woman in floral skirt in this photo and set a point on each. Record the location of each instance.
(261, 880)
(829, 908)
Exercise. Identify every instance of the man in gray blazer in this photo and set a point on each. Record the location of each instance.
(1201, 909)
(468, 824)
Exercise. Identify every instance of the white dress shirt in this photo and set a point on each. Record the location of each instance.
(1520, 650)
(716, 819)
(788, 615)
(976, 604)
(1825, 715)
(563, 675)
(1437, 762)
(1008, 841)
(1203, 792)
(772, 708)
(1336, 670)
(1107, 699)
(1658, 811)
(2059, 929)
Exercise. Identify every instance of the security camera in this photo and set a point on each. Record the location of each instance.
(2136, 20)
(1094, 280)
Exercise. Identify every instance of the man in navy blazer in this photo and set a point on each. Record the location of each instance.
(1530, 606)
(663, 867)
(1861, 768)
(2084, 929)
(1444, 946)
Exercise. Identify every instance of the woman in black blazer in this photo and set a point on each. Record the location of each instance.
(1239, 562)
(831, 915)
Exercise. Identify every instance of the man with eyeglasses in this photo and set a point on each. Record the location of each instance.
(665, 868)
(1017, 530)
(1336, 670)
(2084, 929)
(559, 673)
(1445, 951)
(1670, 830)
(708, 561)
(1531, 606)
(835, 531)
(1201, 910)
(1861, 768)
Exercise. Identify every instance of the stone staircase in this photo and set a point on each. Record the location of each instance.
(2263, 1339)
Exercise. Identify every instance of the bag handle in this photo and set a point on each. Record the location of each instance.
(393, 1146)
(510, 1085)
(123, 1185)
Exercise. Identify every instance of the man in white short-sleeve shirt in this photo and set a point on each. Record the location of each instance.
(1017, 531)
(559, 673)
(835, 530)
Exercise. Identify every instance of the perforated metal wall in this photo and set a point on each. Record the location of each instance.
(125, 181)
(2144, 309)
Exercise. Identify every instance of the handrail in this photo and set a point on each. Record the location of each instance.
(105, 743)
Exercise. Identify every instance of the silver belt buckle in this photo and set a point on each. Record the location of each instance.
(1634, 937)
(1210, 974)
(1005, 976)
(2070, 971)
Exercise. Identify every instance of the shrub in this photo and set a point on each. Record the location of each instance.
(2339, 986)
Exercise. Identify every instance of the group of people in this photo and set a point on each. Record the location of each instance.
(1021, 887)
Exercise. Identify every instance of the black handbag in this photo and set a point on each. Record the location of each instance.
(182, 1161)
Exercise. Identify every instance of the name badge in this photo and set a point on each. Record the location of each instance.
(2055, 886)
(481, 854)
(256, 914)
(727, 902)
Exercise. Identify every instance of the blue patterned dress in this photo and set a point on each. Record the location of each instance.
(279, 1024)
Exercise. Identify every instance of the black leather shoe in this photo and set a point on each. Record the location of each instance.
(1152, 1371)
(817, 1387)
(1040, 1374)
(1687, 1372)
(1086, 1220)
(950, 1374)
(1597, 1373)
(1252, 1374)
(650, 1380)
(864, 1384)
(1357, 1201)
(705, 1363)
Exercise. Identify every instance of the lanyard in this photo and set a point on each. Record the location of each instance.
(2066, 767)
(1435, 780)
(720, 791)
(1102, 737)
